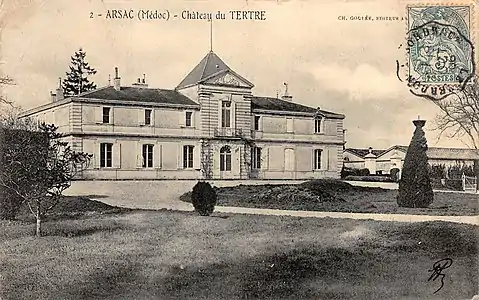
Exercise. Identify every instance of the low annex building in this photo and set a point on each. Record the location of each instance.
(383, 161)
(210, 126)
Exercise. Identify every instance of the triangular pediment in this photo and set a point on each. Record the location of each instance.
(227, 78)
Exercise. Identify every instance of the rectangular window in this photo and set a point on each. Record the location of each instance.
(188, 118)
(256, 122)
(226, 114)
(188, 156)
(317, 125)
(147, 156)
(105, 155)
(256, 158)
(317, 159)
(147, 116)
(289, 125)
(106, 115)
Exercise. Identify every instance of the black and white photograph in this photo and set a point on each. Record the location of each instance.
(243, 149)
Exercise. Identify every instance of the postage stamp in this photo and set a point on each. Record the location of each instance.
(440, 48)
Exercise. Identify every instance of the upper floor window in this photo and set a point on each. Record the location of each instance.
(106, 155)
(317, 159)
(147, 116)
(147, 156)
(317, 125)
(256, 122)
(289, 125)
(256, 158)
(188, 116)
(225, 158)
(188, 156)
(106, 115)
(226, 114)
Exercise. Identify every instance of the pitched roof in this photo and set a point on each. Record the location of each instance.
(136, 94)
(432, 152)
(209, 65)
(275, 104)
(363, 152)
(452, 153)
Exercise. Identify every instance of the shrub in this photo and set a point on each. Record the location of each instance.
(364, 172)
(203, 198)
(394, 174)
(10, 204)
(370, 178)
(415, 188)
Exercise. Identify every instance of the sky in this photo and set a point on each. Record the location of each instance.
(344, 66)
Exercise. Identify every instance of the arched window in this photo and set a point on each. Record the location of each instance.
(225, 158)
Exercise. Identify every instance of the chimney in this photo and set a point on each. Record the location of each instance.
(53, 96)
(59, 94)
(286, 96)
(116, 80)
(141, 82)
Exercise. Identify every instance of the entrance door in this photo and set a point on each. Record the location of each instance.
(225, 162)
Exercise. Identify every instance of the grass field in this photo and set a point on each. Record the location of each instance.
(333, 195)
(102, 253)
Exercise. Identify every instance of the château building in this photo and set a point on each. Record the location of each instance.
(210, 126)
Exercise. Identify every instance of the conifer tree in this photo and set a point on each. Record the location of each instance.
(77, 81)
(415, 188)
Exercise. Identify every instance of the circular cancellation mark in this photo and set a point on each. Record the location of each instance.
(440, 60)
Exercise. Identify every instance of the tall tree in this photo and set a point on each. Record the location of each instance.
(77, 81)
(415, 188)
(459, 115)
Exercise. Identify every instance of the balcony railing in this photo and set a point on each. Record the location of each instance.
(228, 132)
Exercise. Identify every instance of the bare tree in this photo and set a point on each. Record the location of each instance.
(459, 116)
(38, 167)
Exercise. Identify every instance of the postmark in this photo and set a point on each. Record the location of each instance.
(440, 57)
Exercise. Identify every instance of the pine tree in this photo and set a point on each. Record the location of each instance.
(77, 81)
(415, 185)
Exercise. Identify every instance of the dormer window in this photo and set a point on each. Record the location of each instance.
(317, 124)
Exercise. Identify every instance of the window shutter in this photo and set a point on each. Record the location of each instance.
(220, 116)
(139, 155)
(233, 114)
(197, 156)
(264, 158)
(141, 117)
(96, 155)
(313, 164)
(112, 115)
(152, 117)
(116, 155)
(325, 159)
(98, 114)
(157, 156)
(182, 118)
(180, 156)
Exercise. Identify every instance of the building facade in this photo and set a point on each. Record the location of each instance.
(210, 126)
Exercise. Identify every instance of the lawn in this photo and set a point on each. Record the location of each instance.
(102, 253)
(338, 196)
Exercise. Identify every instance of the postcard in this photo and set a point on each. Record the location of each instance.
(244, 149)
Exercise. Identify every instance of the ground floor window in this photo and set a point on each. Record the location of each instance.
(147, 156)
(225, 158)
(317, 159)
(188, 156)
(256, 158)
(106, 155)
